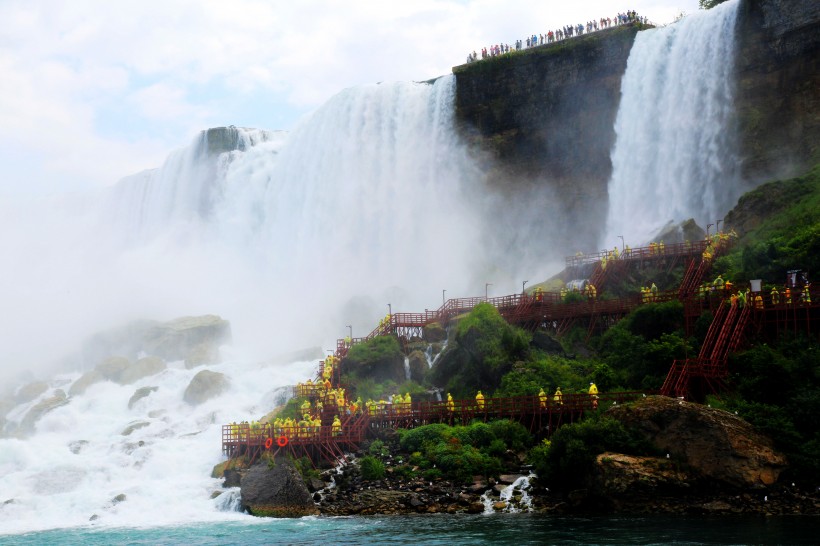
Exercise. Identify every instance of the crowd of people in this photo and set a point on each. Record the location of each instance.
(786, 295)
(562, 33)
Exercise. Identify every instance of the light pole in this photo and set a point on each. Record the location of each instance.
(717, 227)
(523, 284)
(486, 285)
(442, 296)
(350, 327)
(707, 229)
(623, 245)
(389, 309)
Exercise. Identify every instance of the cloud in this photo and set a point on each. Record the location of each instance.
(130, 81)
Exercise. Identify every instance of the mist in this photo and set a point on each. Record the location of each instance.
(371, 203)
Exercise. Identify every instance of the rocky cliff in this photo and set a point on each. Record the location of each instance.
(543, 118)
(778, 87)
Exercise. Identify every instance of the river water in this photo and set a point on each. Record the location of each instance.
(448, 530)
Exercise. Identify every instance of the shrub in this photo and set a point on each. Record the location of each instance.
(371, 468)
(573, 448)
(414, 439)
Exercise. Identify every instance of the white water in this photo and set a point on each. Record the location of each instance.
(163, 469)
(673, 157)
(290, 237)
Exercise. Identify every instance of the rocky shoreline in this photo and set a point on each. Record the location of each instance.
(396, 496)
(707, 462)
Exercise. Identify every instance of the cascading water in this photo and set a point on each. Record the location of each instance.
(287, 236)
(673, 157)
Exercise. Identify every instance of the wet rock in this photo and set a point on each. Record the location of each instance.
(315, 484)
(51, 403)
(86, 380)
(204, 386)
(134, 426)
(113, 368)
(418, 366)
(276, 492)
(76, 446)
(475, 508)
(434, 333)
(715, 444)
(499, 505)
(215, 494)
(29, 392)
(508, 479)
(616, 475)
(94, 517)
(202, 355)
(139, 394)
(177, 339)
(119, 498)
(144, 367)
(716, 507)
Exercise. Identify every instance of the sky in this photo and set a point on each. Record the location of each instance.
(92, 91)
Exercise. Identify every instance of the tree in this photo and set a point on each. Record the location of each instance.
(709, 4)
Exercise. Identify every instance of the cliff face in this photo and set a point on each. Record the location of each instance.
(778, 87)
(545, 116)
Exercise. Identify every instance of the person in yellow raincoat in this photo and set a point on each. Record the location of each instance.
(479, 400)
(542, 398)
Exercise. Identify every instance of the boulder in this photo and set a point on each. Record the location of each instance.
(616, 475)
(144, 367)
(434, 333)
(29, 392)
(418, 366)
(715, 444)
(276, 492)
(174, 340)
(113, 368)
(204, 386)
(53, 402)
(86, 380)
(139, 394)
(545, 342)
(202, 355)
(136, 425)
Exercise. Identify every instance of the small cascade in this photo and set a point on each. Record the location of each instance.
(229, 501)
(407, 368)
(431, 360)
(516, 497)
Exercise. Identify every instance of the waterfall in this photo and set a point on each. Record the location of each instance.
(288, 236)
(673, 157)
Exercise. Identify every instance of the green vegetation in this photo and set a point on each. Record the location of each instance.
(709, 4)
(461, 452)
(371, 468)
(485, 348)
(377, 349)
(569, 455)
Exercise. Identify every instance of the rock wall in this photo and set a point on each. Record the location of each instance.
(778, 93)
(545, 117)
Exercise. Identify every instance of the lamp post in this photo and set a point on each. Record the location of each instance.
(523, 284)
(717, 227)
(350, 327)
(486, 285)
(623, 245)
(442, 296)
(707, 229)
(389, 309)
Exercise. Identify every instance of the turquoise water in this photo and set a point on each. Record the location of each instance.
(519, 529)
